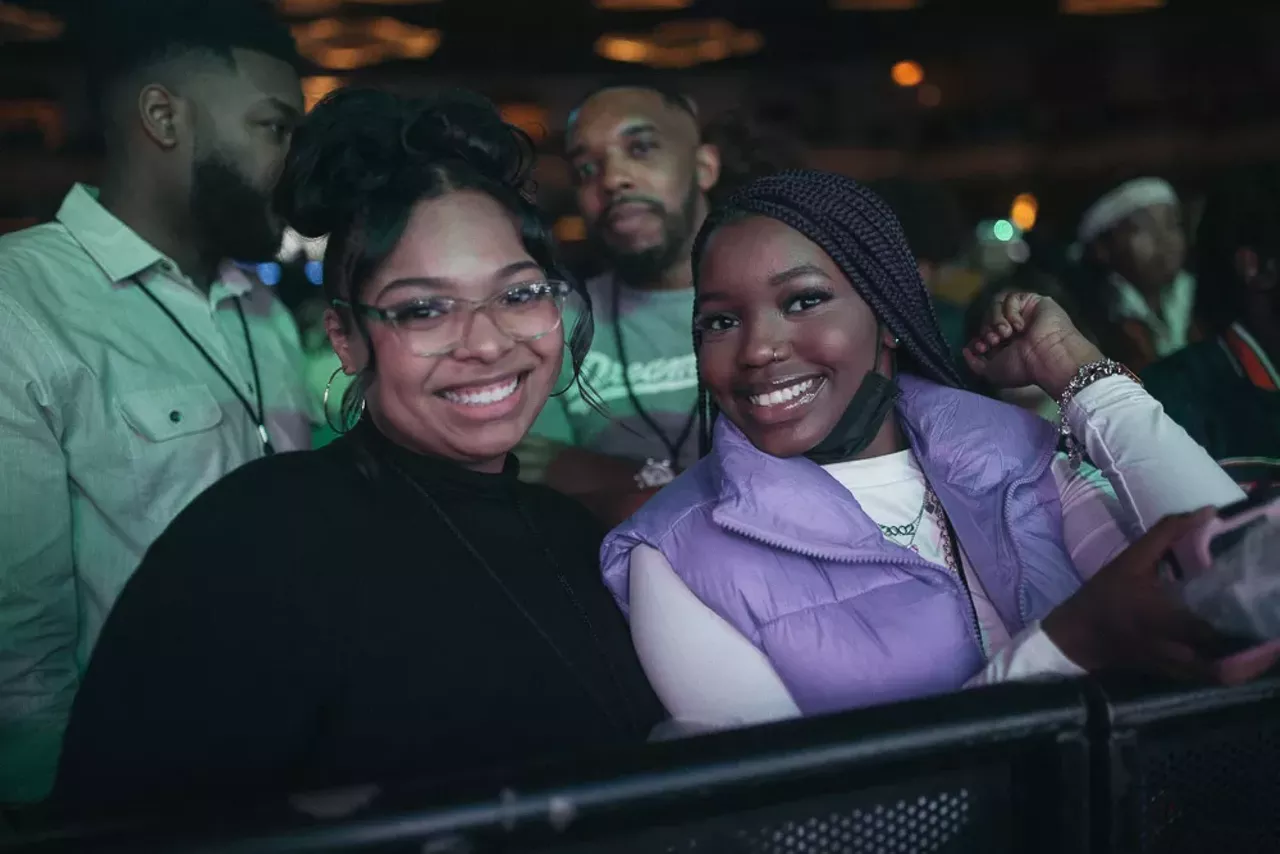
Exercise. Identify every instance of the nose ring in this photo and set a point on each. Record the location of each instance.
(774, 354)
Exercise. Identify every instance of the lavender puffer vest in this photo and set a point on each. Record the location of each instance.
(782, 551)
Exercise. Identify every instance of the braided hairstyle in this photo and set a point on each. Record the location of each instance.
(856, 228)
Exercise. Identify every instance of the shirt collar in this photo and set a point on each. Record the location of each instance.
(1250, 359)
(1172, 324)
(113, 246)
(232, 282)
(122, 253)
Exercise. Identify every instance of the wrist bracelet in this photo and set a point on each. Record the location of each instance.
(1085, 377)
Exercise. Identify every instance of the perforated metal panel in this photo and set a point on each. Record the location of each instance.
(927, 817)
(925, 824)
(1214, 791)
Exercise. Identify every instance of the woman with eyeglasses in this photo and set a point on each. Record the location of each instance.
(396, 604)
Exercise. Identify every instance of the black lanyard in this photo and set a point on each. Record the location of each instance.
(673, 448)
(258, 418)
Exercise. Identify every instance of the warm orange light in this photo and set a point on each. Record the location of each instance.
(533, 119)
(570, 229)
(20, 24)
(314, 89)
(346, 45)
(622, 49)
(1107, 7)
(680, 44)
(1024, 211)
(907, 73)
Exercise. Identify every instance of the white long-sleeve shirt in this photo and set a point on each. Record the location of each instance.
(710, 676)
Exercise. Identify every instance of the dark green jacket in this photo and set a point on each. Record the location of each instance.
(1224, 393)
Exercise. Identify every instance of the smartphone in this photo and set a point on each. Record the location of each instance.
(1196, 552)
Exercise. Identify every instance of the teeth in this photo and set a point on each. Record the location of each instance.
(483, 395)
(782, 395)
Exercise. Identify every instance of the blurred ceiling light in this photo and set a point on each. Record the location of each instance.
(680, 44)
(1107, 7)
(623, 49)
(570, 229)
(1024, 211)
(27, 25)
(304, 8)
(314, 89)
(642, 5)
(45, 117)
(907, 73)
(346, 45)
(533, 119)
(874, 5)
(929, 95)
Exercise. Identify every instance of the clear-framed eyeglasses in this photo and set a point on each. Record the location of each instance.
(437, 325)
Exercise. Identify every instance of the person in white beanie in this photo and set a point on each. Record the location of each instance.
(1132, 248)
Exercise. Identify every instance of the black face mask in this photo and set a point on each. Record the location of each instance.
(862, 419)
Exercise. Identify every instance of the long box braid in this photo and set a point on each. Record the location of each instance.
(858, 230)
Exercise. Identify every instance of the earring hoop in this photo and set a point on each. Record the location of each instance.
(324, 405)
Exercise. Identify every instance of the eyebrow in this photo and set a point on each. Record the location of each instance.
(441, 281)
(285, 107)
(633, 129)
(777, 279)
(797, 272)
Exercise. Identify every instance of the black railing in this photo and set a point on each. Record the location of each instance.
(1050, 767)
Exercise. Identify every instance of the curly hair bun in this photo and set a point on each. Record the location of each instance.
(360, 143)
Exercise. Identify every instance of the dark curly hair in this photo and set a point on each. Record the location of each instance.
(858, 230)
(363, 158)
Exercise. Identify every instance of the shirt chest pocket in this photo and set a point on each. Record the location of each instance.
(162, 415)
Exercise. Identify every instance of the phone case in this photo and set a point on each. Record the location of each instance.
(1195, 553)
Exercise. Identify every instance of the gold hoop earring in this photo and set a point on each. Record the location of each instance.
(324, 405)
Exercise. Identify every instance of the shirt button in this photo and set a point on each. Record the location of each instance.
(175, 416)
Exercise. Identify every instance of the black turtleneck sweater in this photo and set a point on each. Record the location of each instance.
(314, 620)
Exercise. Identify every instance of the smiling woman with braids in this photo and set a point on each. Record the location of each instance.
(862, 529)
(397, 603)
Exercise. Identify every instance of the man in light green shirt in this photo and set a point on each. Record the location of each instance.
(642, 173)
(139, 367)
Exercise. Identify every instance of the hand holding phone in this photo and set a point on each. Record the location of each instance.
(1227, 572)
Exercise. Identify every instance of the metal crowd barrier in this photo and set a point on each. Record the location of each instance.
(1190, 771)
(1050, 767)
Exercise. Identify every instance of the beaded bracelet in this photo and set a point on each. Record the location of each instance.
(1085, 377)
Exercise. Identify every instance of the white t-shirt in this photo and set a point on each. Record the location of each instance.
(710, 676)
